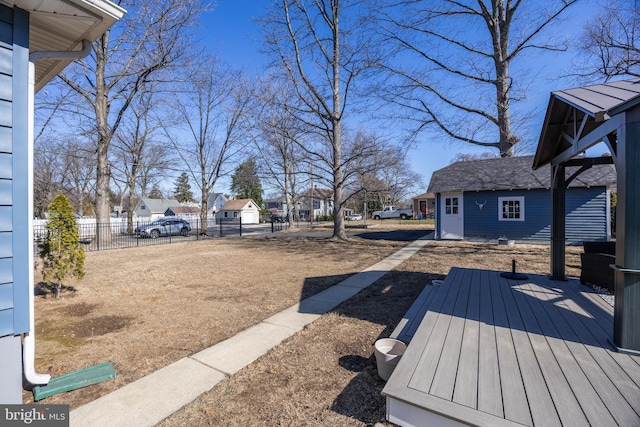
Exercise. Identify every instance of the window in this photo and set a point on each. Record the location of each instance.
(235, 214)
(226, 214)
(511, 209)
(451, 205)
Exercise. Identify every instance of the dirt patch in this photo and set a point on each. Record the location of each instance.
(166, 302)
(80, 309)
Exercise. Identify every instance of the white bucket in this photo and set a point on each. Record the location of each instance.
(437, 282)
(388, 353)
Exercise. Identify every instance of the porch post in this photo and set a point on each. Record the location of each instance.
(558, 209)
(626, 321)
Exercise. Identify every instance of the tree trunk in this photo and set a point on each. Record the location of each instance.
(103, 175)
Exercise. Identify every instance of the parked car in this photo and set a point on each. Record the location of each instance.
(392, 212)
(278, 218)
(164, 227)
(354, 217)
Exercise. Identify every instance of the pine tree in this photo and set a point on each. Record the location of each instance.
(182, 191)
(245, 182)
(61, 252)
(156, 192)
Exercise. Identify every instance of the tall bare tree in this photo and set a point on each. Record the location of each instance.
(210, 130)
(47, 171)
(611, 41)
(78, 173)
(279, 136)
(151, 40)
(451, 62)
(133, 145)
(317, 46)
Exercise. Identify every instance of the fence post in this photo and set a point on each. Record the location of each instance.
(221, 228)
(240, 225)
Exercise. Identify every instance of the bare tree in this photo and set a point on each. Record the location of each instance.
(78, 173)
(319, 49)
(384, 175)
(132, 145)
(451, 62)
(150, 40)
(611, 41)
(280, 136)
(47, 171)
(210, 115)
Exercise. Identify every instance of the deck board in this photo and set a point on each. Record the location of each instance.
(588, 369)
(488, 368)
(468, 367)
(492, 351)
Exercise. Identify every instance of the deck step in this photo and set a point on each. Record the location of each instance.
(411, 320)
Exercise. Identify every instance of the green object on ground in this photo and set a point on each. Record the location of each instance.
(75, 380)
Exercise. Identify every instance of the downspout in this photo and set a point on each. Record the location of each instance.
(28, 342)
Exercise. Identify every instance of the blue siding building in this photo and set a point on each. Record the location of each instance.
(37, 40)
(497, 198)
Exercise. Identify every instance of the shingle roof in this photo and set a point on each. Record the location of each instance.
(510, 173)
(185, 209)
(237, 204)
(159, 205)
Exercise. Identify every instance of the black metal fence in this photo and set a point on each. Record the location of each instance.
(117, 235)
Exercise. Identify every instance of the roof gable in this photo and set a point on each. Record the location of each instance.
(510, 173)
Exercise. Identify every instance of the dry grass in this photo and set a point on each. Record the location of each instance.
(146, 307)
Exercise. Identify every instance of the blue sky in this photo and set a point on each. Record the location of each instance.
(232, 34)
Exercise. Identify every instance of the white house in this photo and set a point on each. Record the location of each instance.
(322, 199)
(245, 209)
(153, 208)
(215, 201)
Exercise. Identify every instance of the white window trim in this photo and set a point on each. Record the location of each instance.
(519, 199)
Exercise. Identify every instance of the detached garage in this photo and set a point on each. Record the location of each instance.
(245, 210)
(497, 198)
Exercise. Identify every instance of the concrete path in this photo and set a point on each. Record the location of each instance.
(150, 399)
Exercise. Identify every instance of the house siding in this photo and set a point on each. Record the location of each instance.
(586, 215)
(14, 156)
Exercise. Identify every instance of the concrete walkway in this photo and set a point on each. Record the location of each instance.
(150, 399)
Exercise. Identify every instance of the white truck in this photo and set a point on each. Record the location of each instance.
(392, 212)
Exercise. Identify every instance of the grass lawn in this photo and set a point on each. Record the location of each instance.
(144, 308)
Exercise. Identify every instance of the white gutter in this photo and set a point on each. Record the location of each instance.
(29, 340)
(86, 49)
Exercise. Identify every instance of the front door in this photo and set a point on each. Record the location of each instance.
(451, 216)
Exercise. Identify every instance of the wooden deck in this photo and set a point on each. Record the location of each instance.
(492, 351)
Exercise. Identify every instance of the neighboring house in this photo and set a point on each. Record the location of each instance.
(186, 212)
(215, 201)
(153, 208)
(503, 197)
(276, 206)
(424, 206)
(322, 203)
(245, 209)
(37, 41)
